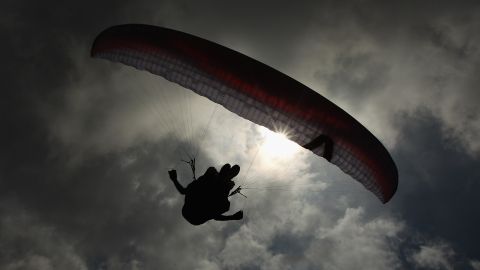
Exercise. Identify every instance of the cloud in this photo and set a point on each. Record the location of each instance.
(429, 200)
(434, 257)
(350, 242)
(37, 245)
(353, 243)
(83, 181)
(475, 264)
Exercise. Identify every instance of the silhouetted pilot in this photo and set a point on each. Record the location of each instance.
(206, 198)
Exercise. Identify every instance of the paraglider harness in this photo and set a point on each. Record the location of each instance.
(191, 163)
(237, 190)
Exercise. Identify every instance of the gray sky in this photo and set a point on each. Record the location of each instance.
(86, 144)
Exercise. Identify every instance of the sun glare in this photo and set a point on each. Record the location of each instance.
(277, 144)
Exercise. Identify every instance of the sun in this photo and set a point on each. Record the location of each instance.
(277, 144)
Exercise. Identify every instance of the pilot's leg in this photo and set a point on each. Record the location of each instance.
(237, 216)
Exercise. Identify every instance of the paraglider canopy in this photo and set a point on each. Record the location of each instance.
(255, 92)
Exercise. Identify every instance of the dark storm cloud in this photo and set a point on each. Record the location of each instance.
(115, 209)
(104, 212)
(374, 38)
(437, 178)
(55, 216)
(439, 184)
(99, 195)
(264, 28)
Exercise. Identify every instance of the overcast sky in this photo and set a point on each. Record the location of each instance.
(85, 144)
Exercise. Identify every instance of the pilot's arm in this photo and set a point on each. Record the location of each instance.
(173, 177)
